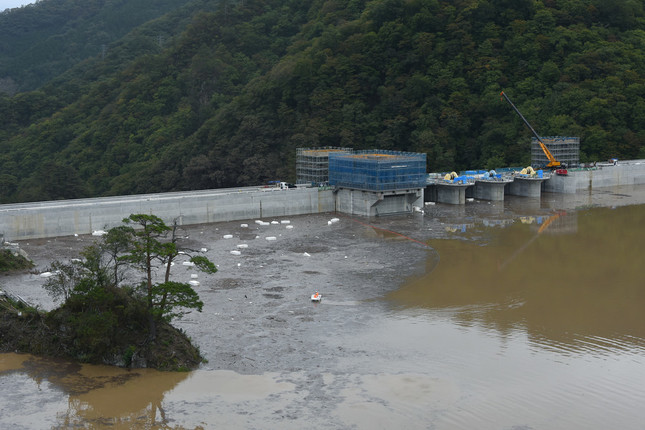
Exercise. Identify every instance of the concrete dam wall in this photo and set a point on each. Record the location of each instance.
(84, 216)
(607, 175)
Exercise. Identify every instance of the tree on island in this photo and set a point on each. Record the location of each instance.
(98, 298)
(164, 299)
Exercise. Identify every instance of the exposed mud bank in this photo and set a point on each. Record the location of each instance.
(257, 312)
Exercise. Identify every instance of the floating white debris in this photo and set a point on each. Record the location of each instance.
(75, 234)
(239, 264)
(274, 222)
(194, 276)
(306, 254)
(289, 227)
(417, 209)
(181, 252)
(76, 260)
(265, 223)
(470, 199)
(328, 222)
(335, 220)
(429, 203)
(257, 237)
(242, 245)
(188, 263)
(244, 225)
(271, 238)
(46, 274)
(234, 252)
(285, 221)
(228, 236)
(193, 283)
(259, 221)
(204, 250)
(99, 232)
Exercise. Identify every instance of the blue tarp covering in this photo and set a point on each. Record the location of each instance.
(378, 170)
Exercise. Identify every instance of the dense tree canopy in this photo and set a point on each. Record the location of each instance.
(228, 100)
(40, 41)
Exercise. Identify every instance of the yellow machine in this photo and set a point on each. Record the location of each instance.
(553, 163)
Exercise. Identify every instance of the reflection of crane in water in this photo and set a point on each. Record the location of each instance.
(545, 225)
(549, 221)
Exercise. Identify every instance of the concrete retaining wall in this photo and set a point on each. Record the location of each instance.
(83, 216)
(624, 173)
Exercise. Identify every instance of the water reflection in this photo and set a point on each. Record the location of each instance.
(62, 395)
(98, 395)
(576, 289)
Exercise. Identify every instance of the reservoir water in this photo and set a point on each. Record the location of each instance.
(532, 321)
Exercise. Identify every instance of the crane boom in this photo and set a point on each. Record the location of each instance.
(552, 161)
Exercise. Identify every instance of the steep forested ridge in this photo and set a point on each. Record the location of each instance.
(227, 101)
(40, 41)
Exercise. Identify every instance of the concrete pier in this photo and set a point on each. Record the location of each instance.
(452, 194)
(525, 187)
(371, 203)
(490, 190)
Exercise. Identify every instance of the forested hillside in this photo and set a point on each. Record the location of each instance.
(227, 102)
(40, 41)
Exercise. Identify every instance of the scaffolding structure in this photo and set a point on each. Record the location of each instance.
(312, 164)
(378, 170)
(565, 149)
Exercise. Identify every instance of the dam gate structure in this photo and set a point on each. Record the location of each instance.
(376, 182)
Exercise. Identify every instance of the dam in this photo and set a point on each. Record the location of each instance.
(481, 186)
(84, 216)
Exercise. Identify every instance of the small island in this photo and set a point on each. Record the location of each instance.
(104, 319)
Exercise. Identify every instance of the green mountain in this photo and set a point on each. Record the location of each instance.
(236, 87)
(40, 41)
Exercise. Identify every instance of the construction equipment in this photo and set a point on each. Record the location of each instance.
(553, 163)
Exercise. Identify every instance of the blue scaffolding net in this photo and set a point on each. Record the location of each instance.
(378, 170)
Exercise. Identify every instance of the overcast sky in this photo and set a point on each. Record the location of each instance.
(8, 4)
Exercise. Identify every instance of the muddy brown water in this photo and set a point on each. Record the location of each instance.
(521, 315)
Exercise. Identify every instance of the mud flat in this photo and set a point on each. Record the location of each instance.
(257, 313)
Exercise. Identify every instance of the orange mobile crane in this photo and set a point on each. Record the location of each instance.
(553, 163)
